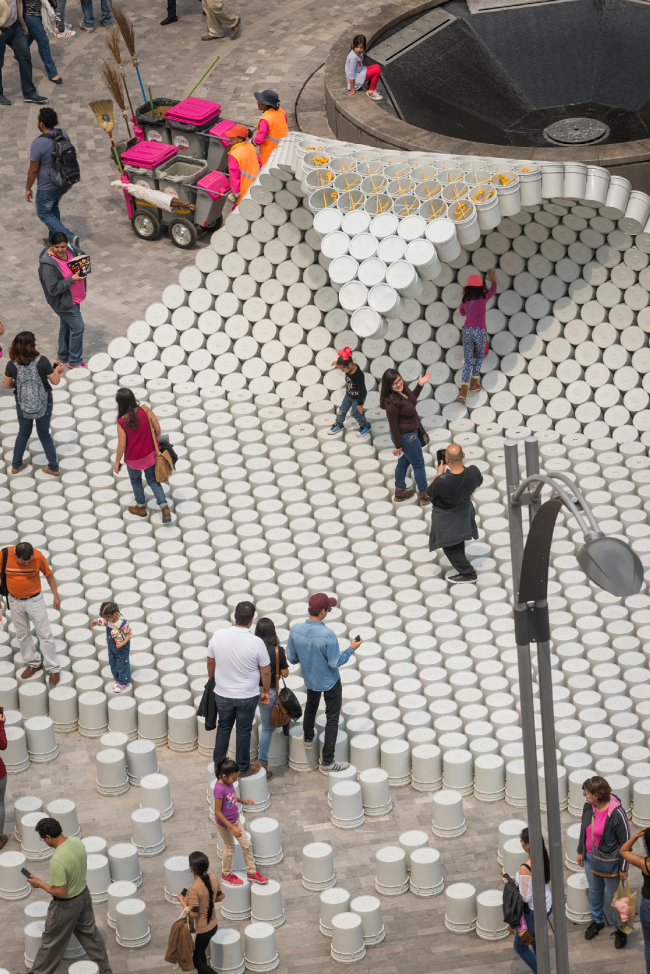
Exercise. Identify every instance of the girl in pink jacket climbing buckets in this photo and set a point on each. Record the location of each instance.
(475, 343)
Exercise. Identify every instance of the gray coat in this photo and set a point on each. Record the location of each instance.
(56, 287)
(450, 527)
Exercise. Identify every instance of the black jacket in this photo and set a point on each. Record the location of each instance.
(56, 287)
(208, 706)
(617, 831)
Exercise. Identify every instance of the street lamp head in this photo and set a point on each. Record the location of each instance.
(612, 565)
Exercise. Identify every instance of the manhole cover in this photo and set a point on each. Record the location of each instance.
(576, 131)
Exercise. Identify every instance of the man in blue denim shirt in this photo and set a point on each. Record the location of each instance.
(238, 660)
(316, 648)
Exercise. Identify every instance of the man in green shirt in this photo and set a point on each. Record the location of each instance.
(71, 909)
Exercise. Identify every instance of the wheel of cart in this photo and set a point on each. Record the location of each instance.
(183, 232)
(146, 224)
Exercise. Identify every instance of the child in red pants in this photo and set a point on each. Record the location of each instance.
(358, 76)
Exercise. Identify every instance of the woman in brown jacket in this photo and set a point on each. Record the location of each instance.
(400, 404)
(198, 904)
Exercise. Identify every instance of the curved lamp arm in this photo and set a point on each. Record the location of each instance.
(539, 479)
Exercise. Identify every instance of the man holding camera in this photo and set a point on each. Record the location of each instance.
(452, 512)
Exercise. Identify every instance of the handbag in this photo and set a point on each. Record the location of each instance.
(164, 466)
(279, 715)
(423, 436)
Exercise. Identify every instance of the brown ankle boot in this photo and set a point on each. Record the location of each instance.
(140, 511)
(462, 395)
(475, 384)
(166, 514)
(265, 765)
(401, 494)
(424, 498)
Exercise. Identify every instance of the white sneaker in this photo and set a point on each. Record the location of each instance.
(374, 95)
(65, 33)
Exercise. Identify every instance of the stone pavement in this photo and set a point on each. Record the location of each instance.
(416, 939)
(280, 46)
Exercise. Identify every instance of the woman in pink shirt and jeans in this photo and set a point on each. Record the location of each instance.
(475, 299)
(138, 446)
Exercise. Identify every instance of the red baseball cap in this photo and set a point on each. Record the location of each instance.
(238, 130)
(319, 602)
(474, 280)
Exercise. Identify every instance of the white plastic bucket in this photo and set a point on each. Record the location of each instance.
(465, 218)
(342, 270)
(346, 181)
(353, 296)
(636, 213)
(391, 249)
(530, 183)
(335, 244)
(376, 205)
(404, 278)
(372, 185)
(471, 164)
(422, 254)
(353, 200)
(370, 167)
(597, 185)
(449, 175)
(327, 221)
(367, 323)
(433, 210)
(421, 173)
(486, 201)
(454, 192)
(401, 187)
(384, 225)
(342, 164)
(430, 189)
(307, 145)
(363, 246)
(442, 234)
(322, 198)
(356, 222)
(552, 179)
(411, 227)
(618, 195)
(406, 206)
(372, 271)
(385, 300)
(317, 179)
(507, 187)
(397, 170)
(575, 180)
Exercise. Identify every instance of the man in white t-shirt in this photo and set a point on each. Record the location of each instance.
(239, 663)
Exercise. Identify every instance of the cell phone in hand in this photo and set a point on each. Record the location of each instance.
(184, 892)
(26, 873)
(441, 456)
(357, 638)
(2, 711)
(506, 876)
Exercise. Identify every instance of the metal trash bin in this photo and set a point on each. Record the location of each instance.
(155, 127)
(211, 193)
(219, 145)
(176, 174)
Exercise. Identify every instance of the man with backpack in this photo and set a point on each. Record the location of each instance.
(20, 581)
(53, 163)
(64, 291)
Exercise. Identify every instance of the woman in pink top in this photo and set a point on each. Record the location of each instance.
(64, 292)
(475, 299)
(139, 447)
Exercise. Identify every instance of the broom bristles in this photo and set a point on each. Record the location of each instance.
(102, 109)
(113, 43)
(113, 82)
(125, 24)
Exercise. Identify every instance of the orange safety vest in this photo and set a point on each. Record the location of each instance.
(278, 128)
(249, 166)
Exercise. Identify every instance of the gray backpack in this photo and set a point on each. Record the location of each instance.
(31, 394)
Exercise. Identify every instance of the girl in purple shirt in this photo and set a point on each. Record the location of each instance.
(475, 346)
(230, 825)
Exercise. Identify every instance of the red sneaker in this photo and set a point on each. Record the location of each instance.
(257, 877)
(233, 879)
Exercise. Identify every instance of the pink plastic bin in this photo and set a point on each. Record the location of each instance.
(194, 111)
(148, 155)
(216, 184)
(219, 131)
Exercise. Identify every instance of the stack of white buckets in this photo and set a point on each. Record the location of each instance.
(236, 359)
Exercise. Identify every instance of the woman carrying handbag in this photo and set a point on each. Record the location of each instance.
(199, 904)
(265, 629)
(137, 432)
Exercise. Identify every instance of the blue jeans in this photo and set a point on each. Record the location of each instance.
(412, 456)
(528, 954)
(231, 712)
(89, 14)
(473, 351)
(118, 660)
(38, 33)
(135, 476)
(267, 730)
(46, 203)
(350, 405)
(17, 41)
(71, 336)
(171, 8)
(644, 918)
(43, 433)
(597, 887)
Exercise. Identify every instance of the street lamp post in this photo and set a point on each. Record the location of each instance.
(612, 565)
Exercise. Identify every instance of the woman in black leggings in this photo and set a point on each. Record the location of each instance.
(199, 905)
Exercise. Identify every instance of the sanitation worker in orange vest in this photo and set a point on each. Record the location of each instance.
(243, 165)
(272, 126)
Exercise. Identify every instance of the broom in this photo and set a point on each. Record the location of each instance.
(113, 44)
(125, 24)
(102, 109)
(112, 81)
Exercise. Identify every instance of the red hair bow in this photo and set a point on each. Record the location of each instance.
(345, 353)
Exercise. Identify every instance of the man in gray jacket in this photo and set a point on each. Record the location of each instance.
(452, 512)
(64, 292)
